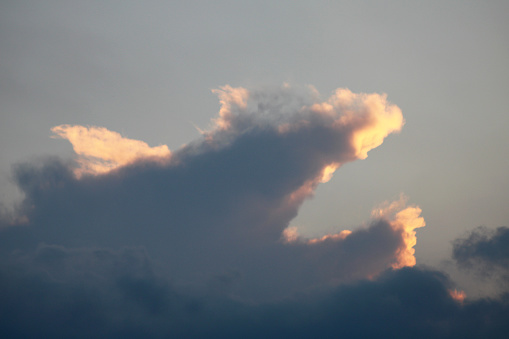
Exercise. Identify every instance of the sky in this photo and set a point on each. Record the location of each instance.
(254, 168)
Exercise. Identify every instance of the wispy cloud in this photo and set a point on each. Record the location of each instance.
(483, 244)
(101, 150)
(485, 252)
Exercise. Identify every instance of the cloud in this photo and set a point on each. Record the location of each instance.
(364, 119)
(126, 300)
(405, 220)
(196, 243)
(59, 292)
(221, 203)
(395, 218)
(490, 246)
(101, 150)
(485, 251)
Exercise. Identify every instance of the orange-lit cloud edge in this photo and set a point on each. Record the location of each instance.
(368, 118)
(101, 151)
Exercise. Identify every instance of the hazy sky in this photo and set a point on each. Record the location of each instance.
(147, 70)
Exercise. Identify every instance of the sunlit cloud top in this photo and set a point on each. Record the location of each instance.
(101, 150)
(368, 118)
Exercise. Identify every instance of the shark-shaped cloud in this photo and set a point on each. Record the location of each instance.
(224, 202)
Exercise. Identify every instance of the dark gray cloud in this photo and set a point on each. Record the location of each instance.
(58, 292)
(486, 252)
(128, 301)
(489, 246)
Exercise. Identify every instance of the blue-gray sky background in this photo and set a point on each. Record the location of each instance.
(146, 70)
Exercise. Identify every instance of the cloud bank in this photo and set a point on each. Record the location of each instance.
(133, 241)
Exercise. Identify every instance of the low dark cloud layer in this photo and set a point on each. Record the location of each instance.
(127, 300)
(195, 242)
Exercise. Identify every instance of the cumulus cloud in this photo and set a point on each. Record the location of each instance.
(405, 220)
(217, 202)
(396, 220)
(160, 242)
